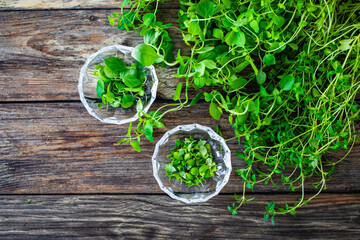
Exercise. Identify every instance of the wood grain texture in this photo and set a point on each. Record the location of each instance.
(60, 148)
(70, 4)
(159, 217)
(41, 55)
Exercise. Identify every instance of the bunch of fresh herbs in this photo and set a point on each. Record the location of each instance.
(118, 84)
(192, 161)
(298, 101)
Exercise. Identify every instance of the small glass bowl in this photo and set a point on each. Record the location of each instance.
(87, 87)
(180, 191)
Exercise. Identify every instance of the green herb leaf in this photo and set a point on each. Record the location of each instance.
(205, 8)
(269, 59)
(145, 54)
(100, 88)
(115, 64)
(136, 146)
(203, 150)
(194, 28)
(239, 39)
(214, 111)
(197, 98)
(287, 83)
(178, 91)
(261, 77)
(254, 25)
(124, 3)
(131, 81)
(148, 18)
(238, 83)
(218, 33)
(127, 101)
(210, 64)
(123, 140)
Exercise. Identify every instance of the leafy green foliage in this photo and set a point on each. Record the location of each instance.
(119, 85)
(302, 55)
(192, 162)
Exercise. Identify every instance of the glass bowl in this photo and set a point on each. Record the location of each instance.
(180, 191)
(87, 87)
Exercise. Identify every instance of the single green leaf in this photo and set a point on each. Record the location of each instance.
(148, 135)
(178, 91)
(189, 177)
(136, 146)
(148, 18)
(123, 140)
(110, 97)
(148, 126)
(237, 83)
(194, 171)
(261, 77)
(203, 150)
(131, 81)
(194, 28)
(315, 92)
(197, 98)
(229, 38)
(100, 88)
(266, 216)
(287, 83)
(227, 3)
(218, 33)
(124, 3)
(263, 92)
(239, 39)
(145, 54)
(203, 169)
(254, 25)
(204, 50)
(170, 169)
(269, 59)
(214, 111)
(129, 130)
(110, 73)
(139, 105)
(208, 97)
(115, 64)
(294, 46)
(200, 68)
(127, 101)
(159, 124)
(210, 64)
(205, 8)
(199, 81)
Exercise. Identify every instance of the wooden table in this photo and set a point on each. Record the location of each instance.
(81, 183)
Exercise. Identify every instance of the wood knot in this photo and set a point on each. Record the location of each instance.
(92, 18)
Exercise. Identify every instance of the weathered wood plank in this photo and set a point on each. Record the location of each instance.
(329, 216)
(60, 148)
(41, 55)
(70, 4)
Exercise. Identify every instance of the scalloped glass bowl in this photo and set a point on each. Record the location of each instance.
(180, 191)
(87, 87)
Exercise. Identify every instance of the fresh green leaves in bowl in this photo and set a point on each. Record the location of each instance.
(119, 84)
(192, 162)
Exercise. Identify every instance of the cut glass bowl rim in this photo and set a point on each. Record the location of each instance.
(113, 120)
(214, 136)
